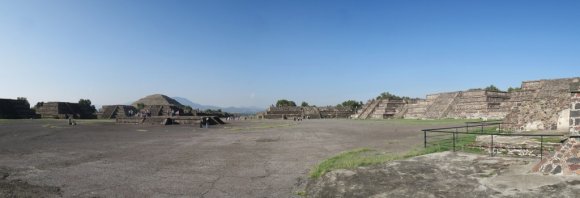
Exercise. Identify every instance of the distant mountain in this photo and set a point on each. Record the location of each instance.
(245, 110)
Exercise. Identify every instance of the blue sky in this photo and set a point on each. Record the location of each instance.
(251, 53)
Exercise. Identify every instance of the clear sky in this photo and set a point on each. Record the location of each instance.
(251, 53)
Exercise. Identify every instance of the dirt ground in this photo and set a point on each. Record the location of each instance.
(266, 158)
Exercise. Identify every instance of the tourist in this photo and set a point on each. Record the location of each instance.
(207, 123)
(201, 122)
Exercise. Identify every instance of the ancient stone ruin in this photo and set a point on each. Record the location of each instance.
(58, 110)
(156, 109)
(15, 109)
(117, 111)
(538, 105)
(542, 105)
(380, 109)
(160, 105)
(305, 112)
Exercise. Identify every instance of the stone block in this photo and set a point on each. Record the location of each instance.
(574, 167)
(557, 170)
(573, 160)
(574, 114)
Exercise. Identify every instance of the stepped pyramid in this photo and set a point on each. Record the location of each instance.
(157, 99)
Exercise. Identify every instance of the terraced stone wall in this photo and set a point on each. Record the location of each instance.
(544, 105)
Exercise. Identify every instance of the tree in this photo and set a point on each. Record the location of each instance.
(188, 108)
(140, 106)
(304, 104)
(285, 103)
(23, 99)
(38, 104)
(352, 104)
(511, 89)
(387, 95)
(87, 109)
(492, 88)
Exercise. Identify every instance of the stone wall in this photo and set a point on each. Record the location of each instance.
(334, 112)
(117, 111)
(479, 104)
(58, 110)
(575, 108)
(306, 112)
(15, 109)
(441, 105)
(544, 105)
(417, 110)
(387, 108)
(539, 105)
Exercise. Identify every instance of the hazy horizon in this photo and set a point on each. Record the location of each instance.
(252, 53)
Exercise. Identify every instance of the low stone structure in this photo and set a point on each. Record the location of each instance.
(15, 109)
(282, 112)
(381, 109)
(333, 112)
(165, 120)
(117, 111)
(305, 112)
(58, 110)
(479, 104)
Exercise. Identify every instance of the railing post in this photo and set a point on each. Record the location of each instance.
(499, 127)
(541, 147)
(481, 128)
(454, 136)
(425, 143)
(491, 145)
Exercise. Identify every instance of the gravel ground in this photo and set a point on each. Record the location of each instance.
(266, 158)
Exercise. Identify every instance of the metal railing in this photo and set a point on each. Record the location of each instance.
(456, 135)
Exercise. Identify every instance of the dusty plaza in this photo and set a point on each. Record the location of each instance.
(264, 158)
(254, 158)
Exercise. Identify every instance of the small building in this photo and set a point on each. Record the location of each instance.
(15, 109)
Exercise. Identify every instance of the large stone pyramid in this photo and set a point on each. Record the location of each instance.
(157, 99)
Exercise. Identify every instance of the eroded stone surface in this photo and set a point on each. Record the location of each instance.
(445, 175)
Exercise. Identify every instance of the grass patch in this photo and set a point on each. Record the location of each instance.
(366, 157)
(94, 121)
(425, 122)
(351, 159)
(301, 193)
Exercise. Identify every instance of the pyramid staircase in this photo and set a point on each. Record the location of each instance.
(441, 106)
(369, 109)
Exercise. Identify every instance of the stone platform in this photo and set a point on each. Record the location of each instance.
(165, 120)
